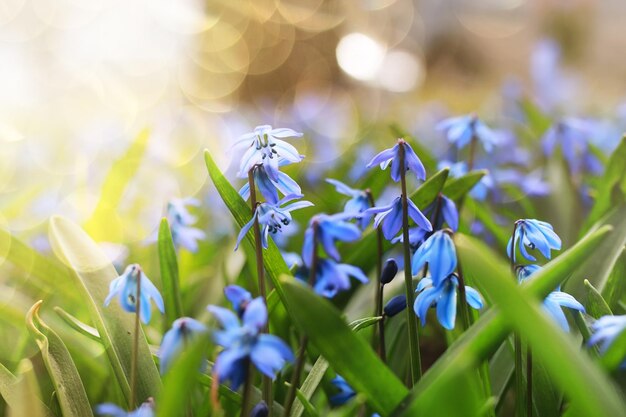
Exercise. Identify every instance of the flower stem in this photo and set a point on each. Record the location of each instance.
(520, 398)
(135, 352)
(379, 288)
(414, 350)
(304, 340)
(247, 389)
(267, 381)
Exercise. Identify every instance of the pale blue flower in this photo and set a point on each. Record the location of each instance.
(331, 277)
(444, 297)
(238, 297)
(125, 287)
(358, 203)
(329, 229)
(461, 130)
(269, 188)
(183, 331)
(605, 330)
(264, 147)
(108, 409)
(392, 157)
(180, 221)
(534, 234)
(390, 217)
(573, 135)
(244, 341)
(439, 252)
(272, 217)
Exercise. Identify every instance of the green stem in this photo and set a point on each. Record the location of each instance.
(304, 340)
(414, 350)
(529, 382)
(379, 289)
(247, 390)
(135, 352)
(520, 397)
(267, 381)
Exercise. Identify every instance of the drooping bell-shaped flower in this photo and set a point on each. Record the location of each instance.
(345, 392)
(331, 277)
(328, 229)
(533, 234)
(358, 203)
(605, 331)
(181, 220)
(390, 217)
(462, 129)
(440, 253)
(125, 288)
(393, 157)
(269, 188)
(184, 330)
(238, 297)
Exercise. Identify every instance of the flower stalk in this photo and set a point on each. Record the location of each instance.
(379, 289)
(520, 399)
(258, 246)
(135, 352)
(414, 352)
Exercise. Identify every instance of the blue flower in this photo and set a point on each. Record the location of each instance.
(345, 394)
(440, 254)
(443, 210)
(416, 236)
(445, 298)
(392, 156)
(605, 331)
(183, 331)
(536, 235)
(573, 135)
(180, 221)
(395, 305)
(269, 188)
(265, 148)
(328, 230)
(125, 287)
(461, 130)
(358, 203)
(260, 410)
(238, 297)
(531, 184)
(331, 277)
(272, 217)
(108, 409)
(554, 302)
(243, 342)
(458, 169)
(391, 217)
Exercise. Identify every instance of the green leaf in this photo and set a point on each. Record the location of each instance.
(484, 337)
(27, 396)
(169, 275)
(364, 252)
(79, 326)
(13, 391)
(67, 384)
(360, 324)
(93, 274)
(306, 403)
(586, 387)
(310, 384)
(595, 306)
(456, 188)
(173, 400)
(615, 283)
(347, 353)
(103, 224)
(538, 121)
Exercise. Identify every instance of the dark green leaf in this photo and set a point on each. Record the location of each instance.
(595, 306)
(169, 275)
(359, 324)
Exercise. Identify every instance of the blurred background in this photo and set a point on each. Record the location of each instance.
(80, 79)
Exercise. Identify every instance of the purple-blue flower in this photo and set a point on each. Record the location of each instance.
(265, 147)
(392, 156)
(238, 297)
(390, 217)
(345, 394)
(554, 302)
(244, 341)
(358, 203)
(272, 217)
(125, 287)
(260, 410)
(108, 409)
(444, 296)
(180, 224)
(269, 188)
(183, 331)
(573, 135)
(605, 331)
(439, 252)
(463, 129)
(533, 234)
(331, 277)
(443, 210)
(328, 229)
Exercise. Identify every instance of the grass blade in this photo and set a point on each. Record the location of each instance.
(169, 275)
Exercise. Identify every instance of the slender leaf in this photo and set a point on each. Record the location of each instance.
(589, 390)
(611, 188)
(595, 306)
(79, 326)
(11, 389)
(102, 225)
(306, 403)
(487, 334)
(310, 384)
(169, 275)
(615, 283)
(347, 353)
(93, 273)
(365, 322)
(27, 399)
(68, 386)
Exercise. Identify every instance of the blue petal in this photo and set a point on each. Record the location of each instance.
(227, 318)
(554, 310)
(423, 301)
(148, 289)
(450, 213)
(245, 229)
(418, 217)
(446, 306)
(270, 354)
(473, 298)
(230, 366)
(413, 162)
(255, 315)
(383, 156)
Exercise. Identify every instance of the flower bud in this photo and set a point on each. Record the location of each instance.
(260, 410)
(389, 271)
(395, 305)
